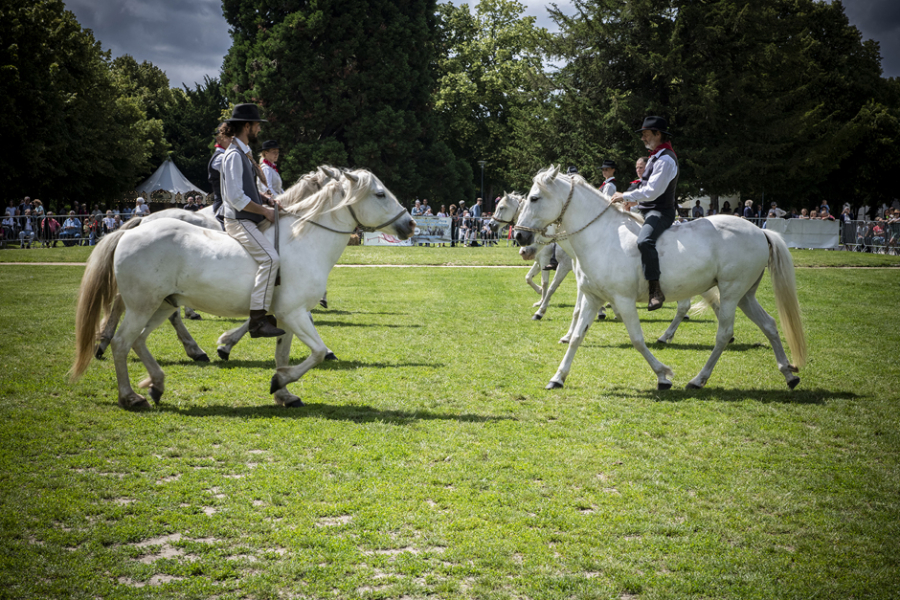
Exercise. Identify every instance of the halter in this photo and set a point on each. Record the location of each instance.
(359, 225)
(558, 222)
(511, 222)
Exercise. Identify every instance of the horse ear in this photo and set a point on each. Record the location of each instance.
(329, 172)
(351, 177)
(554, 171)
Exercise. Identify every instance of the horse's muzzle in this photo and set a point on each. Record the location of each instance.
(524, 238)
(527, 253)
(405, 228)
(493, 225)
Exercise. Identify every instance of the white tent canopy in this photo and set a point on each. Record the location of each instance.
(168, 177)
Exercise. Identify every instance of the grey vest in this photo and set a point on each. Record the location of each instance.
(248, 182)
(666, 200)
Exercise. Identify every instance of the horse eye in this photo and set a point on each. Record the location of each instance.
(535, 198)
(379, 194)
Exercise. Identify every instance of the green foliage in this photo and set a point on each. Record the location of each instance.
(489, 62)
(347, 83)
(69, 134)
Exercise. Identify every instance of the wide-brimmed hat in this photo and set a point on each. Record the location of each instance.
(572, 170)
(245, 112)
(608, 164)
(655, 123)
(270, 145)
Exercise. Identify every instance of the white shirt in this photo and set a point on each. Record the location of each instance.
(141, 210)
(779, 213)
(217, 159)
(232, 176)
(273, 179)
(608, 187)
(664, 171)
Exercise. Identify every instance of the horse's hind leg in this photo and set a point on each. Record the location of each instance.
(109, 326)
(756, 313)
(184, 336)
(155, 377)
(683, 307)
(302, 326)
(282, 360)
(129, 331)
(229, 339)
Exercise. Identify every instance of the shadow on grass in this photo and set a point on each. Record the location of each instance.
(328, 365)
(323, 323)
(654, 346)
(355, 413)
(798, 396)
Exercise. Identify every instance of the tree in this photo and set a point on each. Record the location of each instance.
(147, 86)
(69, 134)
(489, 61)
(347, 83)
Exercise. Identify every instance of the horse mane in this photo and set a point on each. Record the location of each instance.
(306, 186)
(577, 179)
(331, 197)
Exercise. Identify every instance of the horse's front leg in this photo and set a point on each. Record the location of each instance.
(228, 340)
(683, 307)
(529, 278)
(300, 323)
(589, 306)
(576, 312)
(626, 309)
(191, 348)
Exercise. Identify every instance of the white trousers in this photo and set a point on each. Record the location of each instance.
(262, 252)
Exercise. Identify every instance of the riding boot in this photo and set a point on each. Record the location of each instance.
(551, 266)
(656, 296)
(261, 327)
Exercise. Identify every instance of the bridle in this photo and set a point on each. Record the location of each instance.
(515, 213)
(562, 235)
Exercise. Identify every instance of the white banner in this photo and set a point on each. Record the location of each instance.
(433, 230)
(383, 239)
(806, 233)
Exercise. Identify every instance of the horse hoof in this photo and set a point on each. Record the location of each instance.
(274, 385)
(662, 341)
(195, 317)
(793, 369)
(731, 341)
(793, 382)
(553, 385)
(692, 386)
(564, 341)
(601, 317)
(323, 304)
(202, 358)
(536, 317)
(98, 353)
(139, 404)
(222, 354)
(663, 386)
(295, 404)
(330, 356)
(155, 394)
(686, 318)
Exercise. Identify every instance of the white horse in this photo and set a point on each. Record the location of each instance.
(694, 257)
(305, 187)
(160, 266)
(507, 211)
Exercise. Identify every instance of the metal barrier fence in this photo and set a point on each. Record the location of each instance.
(879, 236)
(53, 230)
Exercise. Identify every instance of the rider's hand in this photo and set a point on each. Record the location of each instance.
(270, 214)
(617, 198)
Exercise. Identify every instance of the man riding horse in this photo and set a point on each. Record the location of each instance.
(655, 197)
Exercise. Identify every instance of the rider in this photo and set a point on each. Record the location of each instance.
(244, 209)
(214, 171)
(639, 166)
(656, 200)
(269, 165)
(609, 175)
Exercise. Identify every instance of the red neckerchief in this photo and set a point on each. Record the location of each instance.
(635, 181)
(663, 146)
(270, 163)
(218, 146)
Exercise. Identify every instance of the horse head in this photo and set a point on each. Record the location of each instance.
(506, 210)
(543, 205)
(374, 207)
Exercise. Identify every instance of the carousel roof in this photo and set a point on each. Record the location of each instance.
(168, 177)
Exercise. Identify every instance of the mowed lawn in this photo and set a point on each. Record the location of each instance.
(429, 462)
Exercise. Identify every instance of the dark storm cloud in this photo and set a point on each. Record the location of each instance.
(879, 20)
(187, 40)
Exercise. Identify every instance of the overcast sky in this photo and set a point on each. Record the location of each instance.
(189, 40)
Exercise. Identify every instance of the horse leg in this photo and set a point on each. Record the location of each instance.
(588, 309)
(723, 337)
(625, 308)
(155, 377)
(756, 313)
(282, 360)
(302, 326)
(229, 339)
(109, 326)
(683, 307)
(324, 301)
(579, 298)
(190, 313)
(128, 332)
(329, 355)
(184, 336)
(529, 278)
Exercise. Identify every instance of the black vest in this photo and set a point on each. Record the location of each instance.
(215, 179)
(248, 180)
(667, 198)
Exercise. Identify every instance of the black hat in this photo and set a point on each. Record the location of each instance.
(270, 145)
(608, 164)
(245, 112)
(572, 169)
(657, 123)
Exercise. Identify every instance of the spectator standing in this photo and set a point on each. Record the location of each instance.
(779, 213)
(38, 211)
(475, 225)
(454, 225)
(117, 222)
(804, 214)
(748, 210)
(476, 210)
(25, 205)
(726, 208)
(109, 222)
(28, 229)
(191, 205)
(443, 211)
(416, 210)
(697, 211)
(846, 219)
(863, 214)
(140, 208)
(49, 228)
(426, 209)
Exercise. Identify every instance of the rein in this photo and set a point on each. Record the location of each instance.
(358, 223)
(562, 235)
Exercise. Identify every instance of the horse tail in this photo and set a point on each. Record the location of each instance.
(131, 223)
(97, 292)
(781, 269)
(709, 299)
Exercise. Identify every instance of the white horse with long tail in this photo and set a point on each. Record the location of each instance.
(507, 211)
(162, 265)
(721, 251)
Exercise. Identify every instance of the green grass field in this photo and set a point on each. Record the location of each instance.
(429, 462)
